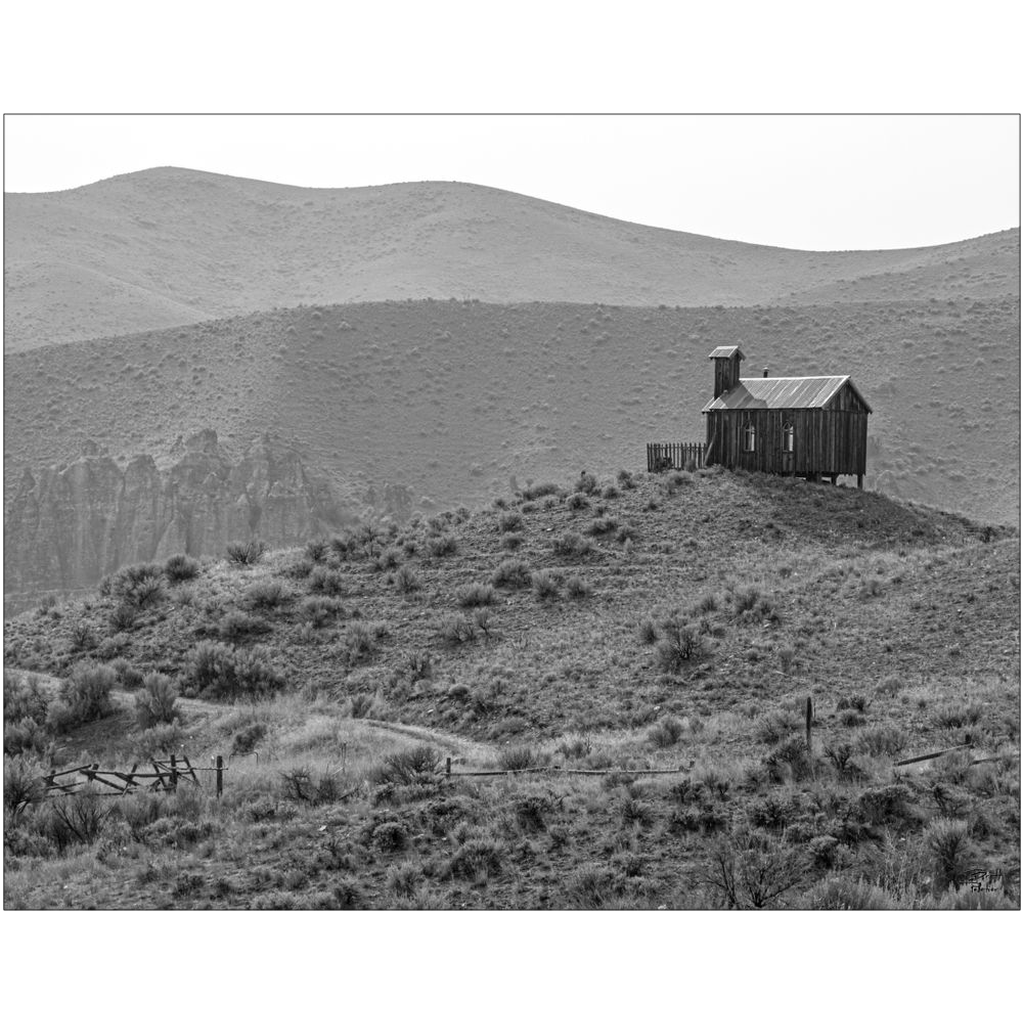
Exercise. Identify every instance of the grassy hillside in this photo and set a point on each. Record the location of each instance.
(620, 626)
(451, 399)
(170, 246)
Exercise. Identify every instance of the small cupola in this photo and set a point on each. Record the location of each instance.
(727, 367)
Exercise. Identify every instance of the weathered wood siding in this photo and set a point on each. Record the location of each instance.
(827, 441)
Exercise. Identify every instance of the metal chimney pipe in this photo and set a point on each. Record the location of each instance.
(766, 371)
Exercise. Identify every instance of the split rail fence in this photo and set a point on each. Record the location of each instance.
(675, 455)
(155, 775)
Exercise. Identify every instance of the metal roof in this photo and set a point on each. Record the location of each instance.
(724, 351)
(782, 393)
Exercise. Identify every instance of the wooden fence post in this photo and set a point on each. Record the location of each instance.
(174, 773)
(809, 715)
(220, 775)
(448, 766)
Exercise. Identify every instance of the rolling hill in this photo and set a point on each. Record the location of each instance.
(170, 246)
(588, 636)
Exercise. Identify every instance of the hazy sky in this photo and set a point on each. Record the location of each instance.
(810, 182)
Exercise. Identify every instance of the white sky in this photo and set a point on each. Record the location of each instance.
(810, 182)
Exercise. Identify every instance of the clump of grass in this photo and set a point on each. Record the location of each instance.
(578, 588)
(535, 491)
(248, 553)
(545, 586)
(512, 541)
(388, 559)
(178, 568)
(512, 572)
(473, 595)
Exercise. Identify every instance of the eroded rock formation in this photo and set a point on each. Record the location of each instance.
(67, 527)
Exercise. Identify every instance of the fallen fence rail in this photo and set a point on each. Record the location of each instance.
(928, 757)
(558, 769)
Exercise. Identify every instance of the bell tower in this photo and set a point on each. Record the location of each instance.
(727, 367)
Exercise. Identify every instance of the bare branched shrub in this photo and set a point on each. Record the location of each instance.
(248, 553)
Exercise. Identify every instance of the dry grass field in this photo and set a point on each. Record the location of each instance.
(611, 626)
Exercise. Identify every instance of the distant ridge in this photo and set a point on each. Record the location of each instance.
(169, 246)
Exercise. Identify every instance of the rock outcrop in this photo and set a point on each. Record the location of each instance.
(67, 527)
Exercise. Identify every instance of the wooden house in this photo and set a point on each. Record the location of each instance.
(804, 426)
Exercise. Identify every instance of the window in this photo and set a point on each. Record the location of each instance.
(749, 438)
(788, 438)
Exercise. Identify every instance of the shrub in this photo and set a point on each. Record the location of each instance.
(417, 765)
(601, 525)
(545, 586)
(245, 741)
(303, 785)
(881, 740)
(776, 725)
(249, 553)
(647, 631)
(953, 854)
(587, 483)
(477, 859)
(326, 581)
(138, 586)
(534, 491)
(23, 784)
(178, 568)
(473, 595)
(680, 645)
(318, 611)
(883, 804)
(155, 703)
(512, 572)
(218, 671)
(510, 521)
(360, 642)
(512, 542)
(752, 870)
(446, 544)
(316, 549)
(789, 759)
(125, 674)
(123, 617)
(83, 698)
(746, 600)
(406, 580)
(24, 698)
(456, 630)
(516, 759)
(666, 733)
(266, 596)
(236, 625)
(626, 480)
(609, 492)
(577, 501)
(572, 545)
(577, 588)
(388, 559)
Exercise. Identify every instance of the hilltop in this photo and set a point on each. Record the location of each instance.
(630, 624)
(170, 246)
